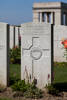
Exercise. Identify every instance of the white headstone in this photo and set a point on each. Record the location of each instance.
(36, 53)
(11, 37)
(60, 34)
(4, 54)
(16, 36)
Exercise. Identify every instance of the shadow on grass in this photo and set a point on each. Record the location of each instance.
(61, 86)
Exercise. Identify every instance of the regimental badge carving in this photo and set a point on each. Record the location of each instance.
(36, 53)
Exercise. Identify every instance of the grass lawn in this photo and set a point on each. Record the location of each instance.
(15, 73)
(60, 70)
(15, 70)
(60, 81)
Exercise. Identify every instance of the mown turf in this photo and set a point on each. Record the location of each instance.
(60, 72)
(15, 70)
(60, 79)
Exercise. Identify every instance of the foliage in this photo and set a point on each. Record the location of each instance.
(52, 90)
(13, 80)
(19, 86)
(28, 90)
(33, 92)
(15, 55)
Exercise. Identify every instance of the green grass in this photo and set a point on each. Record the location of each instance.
(15, 70)
(60, 79)
(15, 73)
(60, 71)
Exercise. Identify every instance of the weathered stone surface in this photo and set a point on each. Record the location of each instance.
(16, 36)
(56, 9)
(36, 53)
(60, 33)
(12, 36)
(4, 53)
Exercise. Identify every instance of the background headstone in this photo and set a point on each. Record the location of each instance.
(12, 36)
(4, 54)
(16, 36)
(37, 53)
(60, 33)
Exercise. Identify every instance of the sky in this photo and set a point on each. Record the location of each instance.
(16, 12)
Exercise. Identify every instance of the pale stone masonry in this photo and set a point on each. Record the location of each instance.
(14, 36)
(55, 10)
(37, 53)
(17, 36)
(60, 33)
(40, 39)
(11, 36)
(54, 13)
(4, 54)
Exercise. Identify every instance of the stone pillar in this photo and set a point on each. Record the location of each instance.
(58, 18)
(35, 17)
(52, 18)
(40, 16)
(46, 17)
(66, 18)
